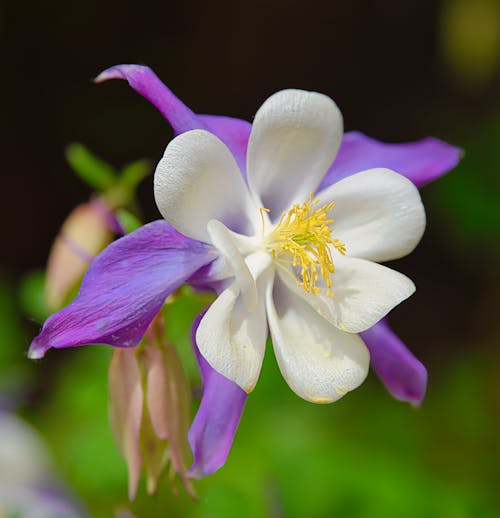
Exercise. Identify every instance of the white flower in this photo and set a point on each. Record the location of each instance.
(299, 264)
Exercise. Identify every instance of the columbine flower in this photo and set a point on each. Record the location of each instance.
(302, 263)
(243, 236)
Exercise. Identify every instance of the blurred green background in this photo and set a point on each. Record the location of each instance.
(399, 71)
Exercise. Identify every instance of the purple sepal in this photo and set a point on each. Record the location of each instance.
(233, 132)
(214, 426)
(144, 81)
(124, 289)
(404, 375)
(421, 161)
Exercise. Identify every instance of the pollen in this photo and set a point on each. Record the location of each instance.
(303, 240)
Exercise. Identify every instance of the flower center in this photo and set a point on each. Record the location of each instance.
(303, 239)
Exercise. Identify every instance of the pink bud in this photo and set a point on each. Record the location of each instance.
(150, 410)
(83, 235)
(126, 405)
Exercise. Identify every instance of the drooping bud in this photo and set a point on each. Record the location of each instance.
(126, 407)
(86, 231)
(150, 406)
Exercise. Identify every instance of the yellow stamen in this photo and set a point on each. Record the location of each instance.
(301, 239)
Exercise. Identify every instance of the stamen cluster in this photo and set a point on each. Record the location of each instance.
(303, 239)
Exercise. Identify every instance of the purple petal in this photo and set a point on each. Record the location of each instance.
(404, 376)
(421, 161)
(214, 426)
(233, 132)
(124, 289)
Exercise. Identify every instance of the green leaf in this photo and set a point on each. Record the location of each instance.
(133, 174)
(122, 192)
(92, 170)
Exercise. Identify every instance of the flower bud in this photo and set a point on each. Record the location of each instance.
(86, 231)
(149, 410)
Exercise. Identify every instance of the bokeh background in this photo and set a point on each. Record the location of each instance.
(399, 71)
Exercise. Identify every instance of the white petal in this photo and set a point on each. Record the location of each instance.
(198, 180)
(378, 214)
(363, 293)
(233, 339)
(295, 137)
(318, 361)
(222, 238)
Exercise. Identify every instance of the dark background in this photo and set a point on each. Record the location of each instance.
(380, 60)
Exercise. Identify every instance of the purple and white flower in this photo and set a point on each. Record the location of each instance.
(299, 264)
(240, 201)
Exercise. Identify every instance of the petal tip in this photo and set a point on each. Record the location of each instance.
(417, 403)
(415, 399)
(320, 400)
(452, 152)
(196, 472)
(416, 396)
(119, 72)
(109, 73)
(37, 350)
(413, 388)
(250, 388)
(203, 467)
(404, 375)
